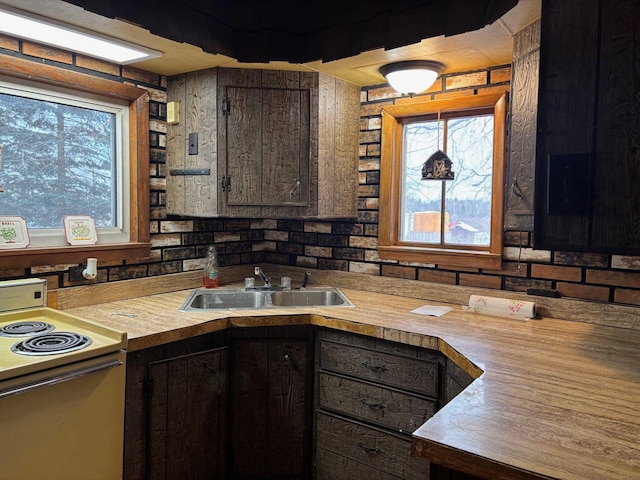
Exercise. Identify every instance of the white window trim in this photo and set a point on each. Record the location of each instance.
(48, 237)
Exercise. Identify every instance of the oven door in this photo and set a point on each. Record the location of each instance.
(66, 422)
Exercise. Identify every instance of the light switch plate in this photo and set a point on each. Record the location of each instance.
(193, 144)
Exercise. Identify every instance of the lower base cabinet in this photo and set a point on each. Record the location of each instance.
(347, 450)
(283, 403)
(271, 395)
(371, 394)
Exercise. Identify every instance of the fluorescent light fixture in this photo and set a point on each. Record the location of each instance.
(50, 32)
(413, 76)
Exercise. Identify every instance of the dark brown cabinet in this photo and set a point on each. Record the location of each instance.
(371, 395)
(188, 416)
(282, 402)
(176, 410)
(271, 402)
(588, 148)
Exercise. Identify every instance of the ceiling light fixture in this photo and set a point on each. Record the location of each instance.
(50, 32)
(413, 76)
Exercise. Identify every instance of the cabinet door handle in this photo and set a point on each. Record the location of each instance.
(368, 449)
(377, 368)
(288, 357)
(296, 187)
(372, 404)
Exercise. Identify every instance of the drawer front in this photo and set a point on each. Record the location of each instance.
(420, 376)
(351, 451)
(386, 407)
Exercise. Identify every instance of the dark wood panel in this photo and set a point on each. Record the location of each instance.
(187, 411)
(386, 407)
(244, 145)
(616, 216)
(249, 414)
(388, 455)
(271, 403)
(137, 412)
(589, 85)
(407, 373)
(288, 407)
(566, 113)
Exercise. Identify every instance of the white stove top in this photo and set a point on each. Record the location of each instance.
(101, 340)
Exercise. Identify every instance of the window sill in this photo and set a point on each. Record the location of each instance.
(467, 258)
(32, 257)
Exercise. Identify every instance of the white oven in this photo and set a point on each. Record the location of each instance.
(61, 390)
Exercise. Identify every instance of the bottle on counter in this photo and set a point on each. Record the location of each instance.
(210, 274)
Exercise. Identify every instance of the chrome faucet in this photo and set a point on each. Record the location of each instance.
(305, 280)
(258, 271)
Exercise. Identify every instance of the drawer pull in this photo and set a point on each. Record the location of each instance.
(371, 404)
(377, 368)
(368, 449)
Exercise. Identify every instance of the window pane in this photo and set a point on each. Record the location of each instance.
(57, 160)
(420, 200)
(468, 196)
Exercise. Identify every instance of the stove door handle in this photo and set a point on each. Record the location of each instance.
(60, 378)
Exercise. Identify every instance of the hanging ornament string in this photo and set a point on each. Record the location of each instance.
(438, 165)
(438, 129)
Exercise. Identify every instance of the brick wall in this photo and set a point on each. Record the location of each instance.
(179, 244)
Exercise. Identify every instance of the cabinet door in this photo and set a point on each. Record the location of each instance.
(269, 409)
(588, 120)
(267, 146)
(188, 416)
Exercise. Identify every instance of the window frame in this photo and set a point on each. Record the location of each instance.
(139, 245)
(393, 119)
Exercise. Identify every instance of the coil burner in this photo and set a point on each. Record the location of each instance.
(25, 329)
(51, 343)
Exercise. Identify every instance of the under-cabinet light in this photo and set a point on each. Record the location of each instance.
(50, 32)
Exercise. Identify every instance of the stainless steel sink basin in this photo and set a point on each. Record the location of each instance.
(208, 299)
(304, 298)
(203, 299)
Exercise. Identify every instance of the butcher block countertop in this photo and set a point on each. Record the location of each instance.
(552, 398)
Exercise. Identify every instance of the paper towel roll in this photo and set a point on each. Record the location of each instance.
(501, 307)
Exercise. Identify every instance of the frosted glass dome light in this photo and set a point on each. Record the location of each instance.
(413, 76)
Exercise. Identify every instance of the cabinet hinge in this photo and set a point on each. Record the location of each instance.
(226, 107)
(226, 183)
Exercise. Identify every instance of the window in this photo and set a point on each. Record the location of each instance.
(63, 154)
(451, 222)
(75, 144)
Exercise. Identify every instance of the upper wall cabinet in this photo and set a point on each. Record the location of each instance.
(588, 146)
(262, 143)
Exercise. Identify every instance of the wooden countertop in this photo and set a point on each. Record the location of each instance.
(552, 399)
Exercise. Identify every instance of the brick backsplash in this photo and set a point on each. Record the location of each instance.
(179, 244)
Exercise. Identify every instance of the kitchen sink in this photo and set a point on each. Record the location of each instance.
(304, 298)
(206, 299)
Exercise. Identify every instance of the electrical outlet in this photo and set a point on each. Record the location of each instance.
(75, 273)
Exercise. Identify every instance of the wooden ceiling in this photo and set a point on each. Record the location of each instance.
(300, 31)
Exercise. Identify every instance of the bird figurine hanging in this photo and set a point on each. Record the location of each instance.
(437, 167)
